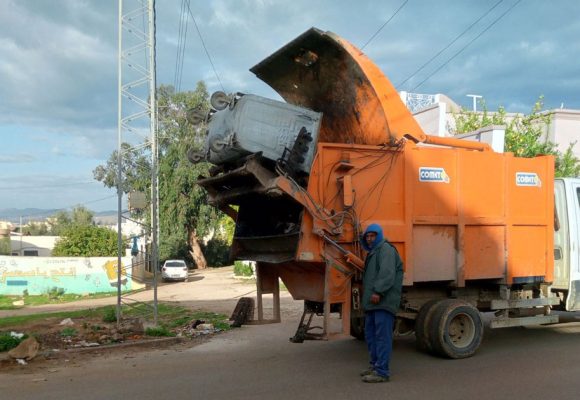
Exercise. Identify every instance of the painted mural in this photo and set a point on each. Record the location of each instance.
(38, 275)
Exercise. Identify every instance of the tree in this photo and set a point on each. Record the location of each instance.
(82, 216)
(525, 135)
(36, 229)
(86, 241)
(5, 249)
(62, 220)
(184, 214)
(135, 167)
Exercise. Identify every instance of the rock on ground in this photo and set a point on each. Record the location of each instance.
(26, 350)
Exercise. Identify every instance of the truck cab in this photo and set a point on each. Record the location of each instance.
(567, 242)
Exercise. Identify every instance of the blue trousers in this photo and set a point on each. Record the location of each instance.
(379, 338)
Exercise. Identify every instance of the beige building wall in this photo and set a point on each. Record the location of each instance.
(437, 119)
(40, 246)
(565, 129)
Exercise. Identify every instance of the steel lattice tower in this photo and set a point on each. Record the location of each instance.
(137, 115)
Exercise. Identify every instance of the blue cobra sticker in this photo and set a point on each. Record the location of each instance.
(431, 174)
(528, 179)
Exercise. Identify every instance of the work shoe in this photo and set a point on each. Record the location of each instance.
(375, 378)
(368, 371)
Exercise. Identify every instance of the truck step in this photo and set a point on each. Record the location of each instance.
(523, 303)
(523, 321)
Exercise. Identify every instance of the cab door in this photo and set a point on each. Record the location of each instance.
(561, 238)
(573, 197)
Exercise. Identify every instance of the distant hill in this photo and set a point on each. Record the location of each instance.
(34, 214)
(38, 214)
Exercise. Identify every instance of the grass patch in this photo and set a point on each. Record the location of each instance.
(24, 319)
(158, 331)
(170, 316)
(52, 297)
(110, 314)
(7, 341)
(68, 331)
(242, 269)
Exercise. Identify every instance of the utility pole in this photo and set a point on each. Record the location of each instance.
(137, 116)
(475, 97)
(119, 164)
(154, 156)
(20, 229)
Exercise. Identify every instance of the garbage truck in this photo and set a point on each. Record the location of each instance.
(478, 230)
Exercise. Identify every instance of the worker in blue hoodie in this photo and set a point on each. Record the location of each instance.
(382, 284)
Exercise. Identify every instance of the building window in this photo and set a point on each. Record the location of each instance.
(33, 253)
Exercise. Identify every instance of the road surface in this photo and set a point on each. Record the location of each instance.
(258, 362)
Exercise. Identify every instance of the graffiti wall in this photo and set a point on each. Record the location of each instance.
(78, 275)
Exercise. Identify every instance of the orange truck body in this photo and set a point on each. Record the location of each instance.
(456, 229)
(460, 215)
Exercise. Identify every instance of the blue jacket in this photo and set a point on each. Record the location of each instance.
(383, 273)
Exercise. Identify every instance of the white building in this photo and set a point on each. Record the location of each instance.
(434, 113)
(39, 246)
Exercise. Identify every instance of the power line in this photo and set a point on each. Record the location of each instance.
(205, 48)
(181, 44)
(451, 43)
(183, 51)
(385, 24)
(179, 40)
(470, 42)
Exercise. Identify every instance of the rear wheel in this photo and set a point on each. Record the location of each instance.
(455, 329)
(422, 325)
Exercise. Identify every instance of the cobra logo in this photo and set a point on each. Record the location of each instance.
(432, 174)
(528, 179)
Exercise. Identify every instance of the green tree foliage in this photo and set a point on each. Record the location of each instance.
(59, 222)
(5, 249)
(86, 241)
(184, 214)
(63, 220)
(525, 134)
(136, 170)
(82, 216)
(36, 229)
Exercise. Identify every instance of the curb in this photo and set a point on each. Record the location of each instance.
(122, 345)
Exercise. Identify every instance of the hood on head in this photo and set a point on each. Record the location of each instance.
(372, 228)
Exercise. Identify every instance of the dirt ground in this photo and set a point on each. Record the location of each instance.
(214, 290)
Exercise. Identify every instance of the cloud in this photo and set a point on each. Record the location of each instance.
(17, 158)
(56, 73)
(58, 69)
(25, 190)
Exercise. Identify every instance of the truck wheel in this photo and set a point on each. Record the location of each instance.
(422, 325)
(456, 329)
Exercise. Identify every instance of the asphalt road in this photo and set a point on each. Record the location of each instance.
(258, 362)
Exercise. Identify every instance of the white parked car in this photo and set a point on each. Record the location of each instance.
(174, 270)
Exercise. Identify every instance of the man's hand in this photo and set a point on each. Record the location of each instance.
(375, 298)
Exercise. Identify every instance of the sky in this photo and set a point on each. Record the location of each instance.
(58, 68)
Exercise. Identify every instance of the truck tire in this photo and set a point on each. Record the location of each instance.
(456, 329)
(422, 325)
